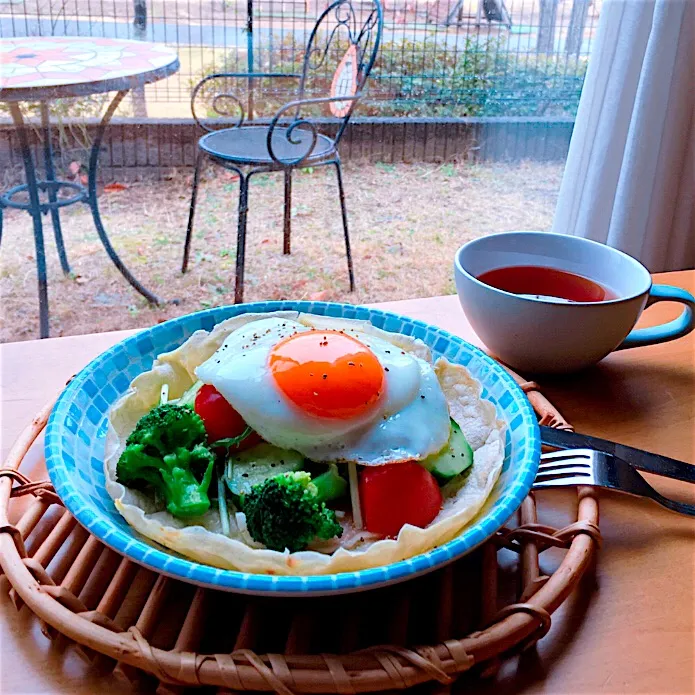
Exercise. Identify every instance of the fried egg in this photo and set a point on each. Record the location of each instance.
(332, 395)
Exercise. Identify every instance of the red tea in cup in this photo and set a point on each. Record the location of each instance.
(539, 282)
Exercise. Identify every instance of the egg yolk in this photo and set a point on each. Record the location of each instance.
(327, 374)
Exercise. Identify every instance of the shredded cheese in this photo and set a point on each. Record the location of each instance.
(355, 496)
(164, 394)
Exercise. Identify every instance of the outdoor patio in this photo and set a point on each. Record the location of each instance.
(406, 222)
(389, 485)
(461, 131)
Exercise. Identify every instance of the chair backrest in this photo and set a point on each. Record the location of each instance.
(341, 50)
(349, 31)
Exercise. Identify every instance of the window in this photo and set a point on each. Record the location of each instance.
(463, 130)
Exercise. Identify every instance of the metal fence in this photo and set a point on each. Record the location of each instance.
(448, 58)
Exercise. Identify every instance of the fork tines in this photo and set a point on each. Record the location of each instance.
(559, 467)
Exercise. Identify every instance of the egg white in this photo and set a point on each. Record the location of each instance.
(410, 421)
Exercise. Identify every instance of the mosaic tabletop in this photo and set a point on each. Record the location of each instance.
(53, 67)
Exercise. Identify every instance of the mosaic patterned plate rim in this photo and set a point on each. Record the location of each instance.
(78, 421)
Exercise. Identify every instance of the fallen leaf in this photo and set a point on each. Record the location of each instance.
(322, 296)
(80, 280)
(230, 176)
(265, 241)
(115, 187)
(74, 168)
(83, 179)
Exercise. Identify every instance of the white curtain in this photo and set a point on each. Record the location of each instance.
(630, 176)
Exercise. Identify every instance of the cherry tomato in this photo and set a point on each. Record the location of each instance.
(221, 420)
(398, 494)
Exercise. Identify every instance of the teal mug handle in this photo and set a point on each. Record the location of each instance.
(666, 331)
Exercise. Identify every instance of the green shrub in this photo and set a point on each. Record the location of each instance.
(479, 77)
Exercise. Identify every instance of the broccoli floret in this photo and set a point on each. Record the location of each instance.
(284, 512)
(169, 426)
(167, 450)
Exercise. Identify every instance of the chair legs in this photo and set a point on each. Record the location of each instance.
(244, 180)
(241, 229)
(191, 212)
(343, 210)
(241, 237)
(286, 232)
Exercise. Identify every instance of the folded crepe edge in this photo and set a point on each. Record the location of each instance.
(205, 542)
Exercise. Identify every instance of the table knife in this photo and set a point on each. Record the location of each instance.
(642, 460)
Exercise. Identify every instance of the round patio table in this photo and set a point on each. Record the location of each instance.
(41, 69)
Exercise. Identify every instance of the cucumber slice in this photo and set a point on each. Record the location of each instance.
(453, 459)
(330, 485)
(188, 397)
(260, 462)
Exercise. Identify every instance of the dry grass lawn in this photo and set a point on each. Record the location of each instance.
(406, 223)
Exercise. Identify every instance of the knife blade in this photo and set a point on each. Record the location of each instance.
(642, 460)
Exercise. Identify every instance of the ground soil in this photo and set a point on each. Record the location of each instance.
(406, 223)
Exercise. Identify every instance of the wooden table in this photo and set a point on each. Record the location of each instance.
(629, 629)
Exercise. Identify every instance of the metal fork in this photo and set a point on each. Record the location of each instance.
(587, 467)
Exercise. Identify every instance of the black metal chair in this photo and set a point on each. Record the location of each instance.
(291, 139)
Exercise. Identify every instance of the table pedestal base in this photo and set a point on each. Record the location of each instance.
(50, 187)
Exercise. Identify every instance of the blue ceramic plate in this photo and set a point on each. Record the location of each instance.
(77, 429)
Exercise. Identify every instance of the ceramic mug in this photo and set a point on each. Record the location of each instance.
(545, 336)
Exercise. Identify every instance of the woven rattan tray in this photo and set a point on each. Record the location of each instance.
(145, 626)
